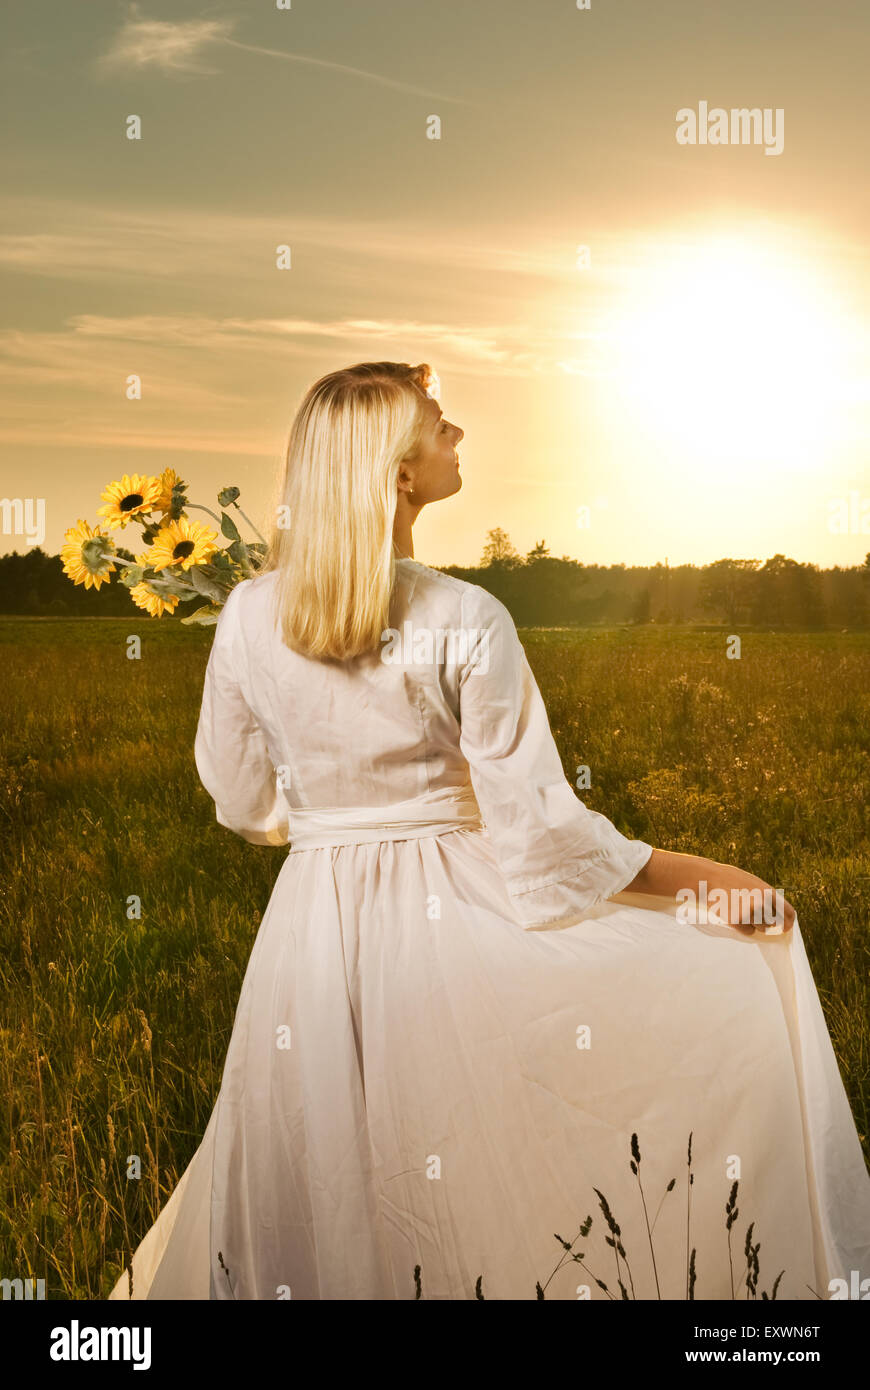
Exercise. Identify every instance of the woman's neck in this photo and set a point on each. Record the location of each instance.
(406, 515)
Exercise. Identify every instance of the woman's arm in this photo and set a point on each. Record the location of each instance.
(666, 875)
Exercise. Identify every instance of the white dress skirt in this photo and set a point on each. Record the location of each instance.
(452, 1044)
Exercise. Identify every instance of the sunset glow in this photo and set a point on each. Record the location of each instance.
(672, 334)
(733, 359)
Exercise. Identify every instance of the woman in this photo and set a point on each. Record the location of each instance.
(450, 1037)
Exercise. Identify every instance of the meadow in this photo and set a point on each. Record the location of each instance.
(114, 1029)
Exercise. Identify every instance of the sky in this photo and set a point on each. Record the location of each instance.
(657, 349)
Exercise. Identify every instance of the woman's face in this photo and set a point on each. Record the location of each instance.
(434, 471)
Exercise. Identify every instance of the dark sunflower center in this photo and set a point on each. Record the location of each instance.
(182, 550)
(131, 501)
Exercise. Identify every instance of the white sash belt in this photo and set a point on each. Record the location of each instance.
(434, 813)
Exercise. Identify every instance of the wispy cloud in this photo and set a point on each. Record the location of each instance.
(177, 47)
(77, 353)
(348, 71)
(211, 384)
(103, 241)
(169, 46)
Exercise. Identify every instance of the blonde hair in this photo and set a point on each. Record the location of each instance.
(332, 528)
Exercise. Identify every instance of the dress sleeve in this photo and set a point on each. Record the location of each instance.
(557, 856)
(232, 759)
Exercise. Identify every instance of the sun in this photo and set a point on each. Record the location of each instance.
(732, 356)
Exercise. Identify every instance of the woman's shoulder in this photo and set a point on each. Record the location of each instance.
(416, 568)
(246, 590)
(471, 598)
(445, 597)
(246, 600)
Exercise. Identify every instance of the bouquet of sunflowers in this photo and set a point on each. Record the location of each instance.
(182, 561)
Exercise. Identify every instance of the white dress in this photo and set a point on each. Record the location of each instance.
(446, 1036)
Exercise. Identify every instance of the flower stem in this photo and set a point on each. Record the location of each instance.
(198, 507)
(730, 1264)
(649, 1236)
(579, 1260)
(250, 523)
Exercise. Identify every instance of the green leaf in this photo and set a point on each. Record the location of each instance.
(229, 527)
(163, 583)
(177, 501)
(204, 584)
(206, 616)
(227, 495)
(239, 552)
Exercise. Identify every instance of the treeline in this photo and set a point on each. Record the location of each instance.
(542, 591)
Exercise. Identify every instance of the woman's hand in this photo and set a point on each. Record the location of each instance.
(735, 897)
(746, 901)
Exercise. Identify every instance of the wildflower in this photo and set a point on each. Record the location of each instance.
(87, 555)
(130, 497)
(156, 604)
(169, 479)
(183, 543)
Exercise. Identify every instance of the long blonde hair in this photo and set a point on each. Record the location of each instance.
(332, 528)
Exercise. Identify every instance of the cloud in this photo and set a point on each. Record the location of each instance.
(175, 47)
(171, 46)
(110, 243)
(86, 349)
(223, 385)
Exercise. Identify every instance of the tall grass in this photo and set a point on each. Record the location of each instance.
(114, 1028)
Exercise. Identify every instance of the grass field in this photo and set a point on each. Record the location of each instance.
(114, 1030)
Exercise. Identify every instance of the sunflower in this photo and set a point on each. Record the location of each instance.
(183, 543)
(168, 479)
(156, 604)
(127, 498)
(87, 555)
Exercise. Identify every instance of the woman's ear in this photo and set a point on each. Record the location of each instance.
(405, 478)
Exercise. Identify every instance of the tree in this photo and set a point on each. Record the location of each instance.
(727, 587)
(642, 605)
(499, 549)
